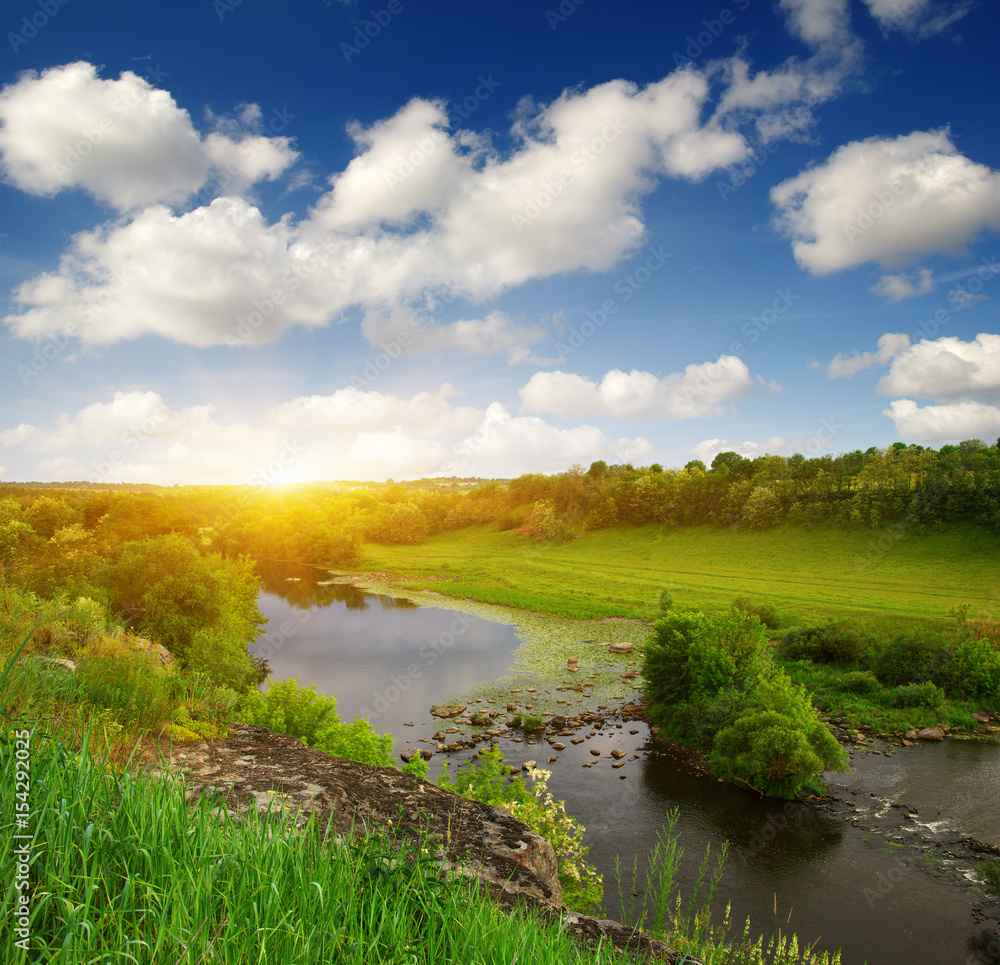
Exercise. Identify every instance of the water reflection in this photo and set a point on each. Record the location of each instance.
(304, 587)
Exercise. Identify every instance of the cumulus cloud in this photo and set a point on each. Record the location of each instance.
(947, 423)
(700, 390)
(887, 200)
(138, 436)
(946, 368)
(123, 141)
(889, 346)
(421, 212)
(898, 287)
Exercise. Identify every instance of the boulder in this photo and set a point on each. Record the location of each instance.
(255, 768)
(621, 648)
(931, 734)
(408, 755)
(449, 710)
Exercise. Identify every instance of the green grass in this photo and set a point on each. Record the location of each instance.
(123, 870)
(808, 573)
(826, 684)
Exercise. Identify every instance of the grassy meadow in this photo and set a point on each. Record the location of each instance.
(808, 573)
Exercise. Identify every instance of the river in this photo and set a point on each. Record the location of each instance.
(869, 879)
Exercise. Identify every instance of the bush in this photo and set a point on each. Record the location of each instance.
(840, 641)
(913, 657)
(485, 781)
(973, 670)
(694, 657)
(860, 682)
(666, 600)
(917, 695)
(312, 718)
(777, 745)
(764, 612)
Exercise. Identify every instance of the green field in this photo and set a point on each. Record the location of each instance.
(807, 573)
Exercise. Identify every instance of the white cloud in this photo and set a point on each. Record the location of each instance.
(123, 141)
(411, 332)
(920, 18)
(887, 200)
(946, 368)
(347, 410)
(898, 287)
(199, 277)
(700, 390)
(511, 445)
(420, 213)
(948, 423)
(818, 22)
(707, 450)
(138, 436)
(889, 345)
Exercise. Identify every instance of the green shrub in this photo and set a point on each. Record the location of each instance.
(926, 694)
(860, 682)
(694, 657)
(989, 872)
(666, 600)
(484, 780)
(313, 719)
(838, 641)
(778, 745)
(765, 612)
(973, 670)
(912, 657)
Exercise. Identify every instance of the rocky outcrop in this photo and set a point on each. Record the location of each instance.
(255, 768)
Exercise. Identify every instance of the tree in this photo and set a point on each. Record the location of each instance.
(694, 464)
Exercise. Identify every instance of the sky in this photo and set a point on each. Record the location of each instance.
(262, 241)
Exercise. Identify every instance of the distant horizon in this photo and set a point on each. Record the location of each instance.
(454, 480)
(411, 242)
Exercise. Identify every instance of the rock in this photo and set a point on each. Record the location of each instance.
(621, 648)
(618, 753)
(559, 747)
(931, 734)
(577, 740)
(529, 765)
(60, 663)
(449, 710)
(154, 651)
(573, 664)
(595, 752)
(511, 707)
(551, 759)
(618, 764)
(255, 768)
(453, 730)
(981, 718)
(911, 735)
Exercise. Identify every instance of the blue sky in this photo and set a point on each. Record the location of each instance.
(253, 241)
